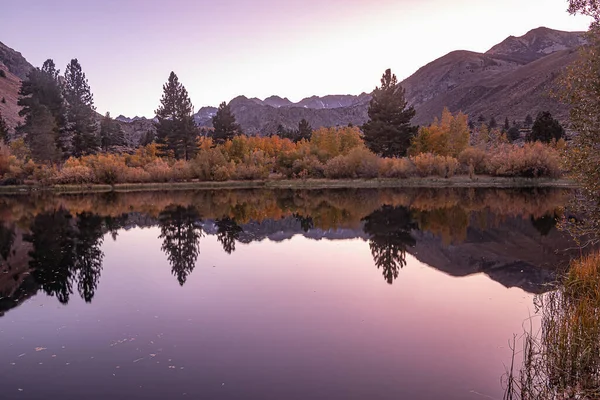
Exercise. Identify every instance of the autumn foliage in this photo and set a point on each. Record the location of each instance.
(440, 150)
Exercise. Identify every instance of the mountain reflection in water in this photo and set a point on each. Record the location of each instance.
(54, 243)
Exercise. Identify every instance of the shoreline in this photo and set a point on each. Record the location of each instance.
(430, 182)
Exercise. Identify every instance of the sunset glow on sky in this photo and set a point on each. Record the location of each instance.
(291, 48)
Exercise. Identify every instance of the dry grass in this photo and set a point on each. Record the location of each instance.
(563, 361)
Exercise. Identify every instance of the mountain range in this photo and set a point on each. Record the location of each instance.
(510, 80)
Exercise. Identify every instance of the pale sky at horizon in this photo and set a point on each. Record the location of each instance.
(257, 48)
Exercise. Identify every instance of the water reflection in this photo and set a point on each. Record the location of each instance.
(508, 235)
(180, 230)
(389, 230)
(66, 252)
(228, 231)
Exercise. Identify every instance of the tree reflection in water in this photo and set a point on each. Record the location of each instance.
(389, 229)
(228, 231)
(7, 239)
(181, 232)
(65, 252)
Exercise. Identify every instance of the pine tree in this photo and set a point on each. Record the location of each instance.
(506, 124)
(41, 92)
(545, 128)
(388, 131)
(528, 121)
(3, 131)
(176, 129)
(224, 123)
(41, 137)
(81, 123)
(304, 130)
(111, 134)
(514, 134)
(493, 124)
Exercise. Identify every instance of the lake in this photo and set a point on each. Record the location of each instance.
(254, 294)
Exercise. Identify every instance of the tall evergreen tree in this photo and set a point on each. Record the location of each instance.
(224, 123)
(528, 121)
(81, 119)
(388, 131)
(39, 94)
(506, 125)
(3, 130)
(111, 134)
(545, 128)
(493, 124)
(304, 130)
(41, 135)
(175, 128)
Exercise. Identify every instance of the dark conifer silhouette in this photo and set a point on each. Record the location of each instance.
(388, 131)
(390, 235)
(228, 231)
(81, 117)
(225, 125)
(181, 232)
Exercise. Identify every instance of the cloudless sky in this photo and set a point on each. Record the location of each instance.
(292, 48)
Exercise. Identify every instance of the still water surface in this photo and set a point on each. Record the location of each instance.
(348, 294)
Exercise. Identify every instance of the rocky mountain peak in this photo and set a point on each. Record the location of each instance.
(535, 44)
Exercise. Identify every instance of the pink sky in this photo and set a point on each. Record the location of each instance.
(292, 48)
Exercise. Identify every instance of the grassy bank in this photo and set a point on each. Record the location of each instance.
(428, 182)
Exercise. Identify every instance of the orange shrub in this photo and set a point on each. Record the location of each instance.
(159, 171)
(533, 160)
(74, 174)
(308, 166)
(428, 164)
(396, 168)
(358, 163)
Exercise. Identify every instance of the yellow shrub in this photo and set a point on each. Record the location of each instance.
(475, 157)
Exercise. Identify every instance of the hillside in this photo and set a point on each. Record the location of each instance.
(9, 94)
(512, 79)
(16, 68)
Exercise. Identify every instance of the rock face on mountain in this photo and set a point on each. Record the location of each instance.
(15, 68)
(9, 95)
(14, 61)
(263, 119)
